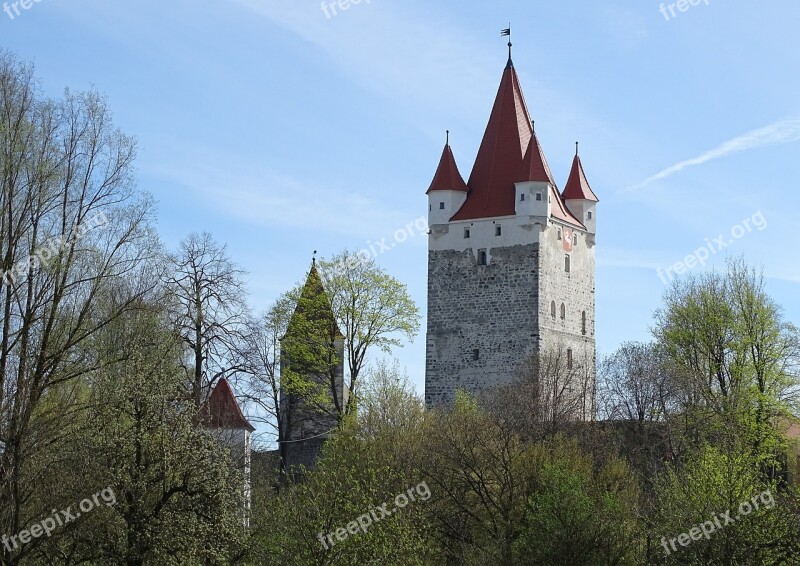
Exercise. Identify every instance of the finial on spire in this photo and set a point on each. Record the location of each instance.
(448, 137)
(507, 33)
(533, 126)
(576, 148)
(314, 258)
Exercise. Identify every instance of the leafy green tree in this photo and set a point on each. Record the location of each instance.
(579, 512)
(735, 358)
(720, 500)
(73, 228)
(177, 492)
(372, 308)
(317, 521)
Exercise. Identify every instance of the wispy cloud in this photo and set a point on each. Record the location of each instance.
(786, 131)
(263, 197)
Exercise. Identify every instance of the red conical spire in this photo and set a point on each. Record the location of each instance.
(577, 187)
(500, 157)
(534, 165)
(447, 177)
(222, 411)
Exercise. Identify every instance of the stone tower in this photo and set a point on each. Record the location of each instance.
(313, 392)
(511, 260)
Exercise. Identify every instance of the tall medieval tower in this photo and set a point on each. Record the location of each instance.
(511, 260)
(313, 393)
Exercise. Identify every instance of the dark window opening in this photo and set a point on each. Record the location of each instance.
(482, 257)
(476, 355)
(569, 359)
(441, 206)
(498, 230)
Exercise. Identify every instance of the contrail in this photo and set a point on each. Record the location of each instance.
(786, 131)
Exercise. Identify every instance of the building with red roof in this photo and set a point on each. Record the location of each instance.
(511, 262)
(223, 417)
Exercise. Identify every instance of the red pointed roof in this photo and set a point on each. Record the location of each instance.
(447, 177)
(577, 186)
(499, 160)
(222, 411)
(534, 165)
(559, 211)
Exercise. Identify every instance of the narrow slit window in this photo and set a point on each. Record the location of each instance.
(566, 263)
(563, 311)
(466, 232)
(570, 361)
(476, 355)
(481, 257)
(498, 230)
(583, 323)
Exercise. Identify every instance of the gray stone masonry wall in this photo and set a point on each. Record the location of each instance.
(503, 310)
(490, 309)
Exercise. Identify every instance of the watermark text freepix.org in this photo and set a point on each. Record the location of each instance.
(380, 247)
(712, 247)
(668, 10)
(365, 521)
(51, 249)
(707, 528)
(333, 8)
(58, 519)
(12, 9)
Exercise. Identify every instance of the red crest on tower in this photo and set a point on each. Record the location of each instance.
(568, 234)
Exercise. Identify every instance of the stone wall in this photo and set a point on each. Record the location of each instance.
(482, 320)
(502, 312)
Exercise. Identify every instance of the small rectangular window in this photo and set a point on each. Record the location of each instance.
(522, 197)
(498, 230)
(466, 232)
(559, 234)
(476, 355)
(441, 206)
(589, 214)
(539, 196)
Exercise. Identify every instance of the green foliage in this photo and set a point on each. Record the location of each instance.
(710, 484)
(355, 476)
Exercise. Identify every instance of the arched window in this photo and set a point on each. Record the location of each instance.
(481, 257)
(563, 311)
(566, 263)
(583, 323)
(553, 310)
(570, 362)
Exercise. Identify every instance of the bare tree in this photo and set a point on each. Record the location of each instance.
(636, 384)
(72, 226)
(209, 309)
(550, 391)
(258, 353)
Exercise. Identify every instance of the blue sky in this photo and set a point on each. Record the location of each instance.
(282, 130)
